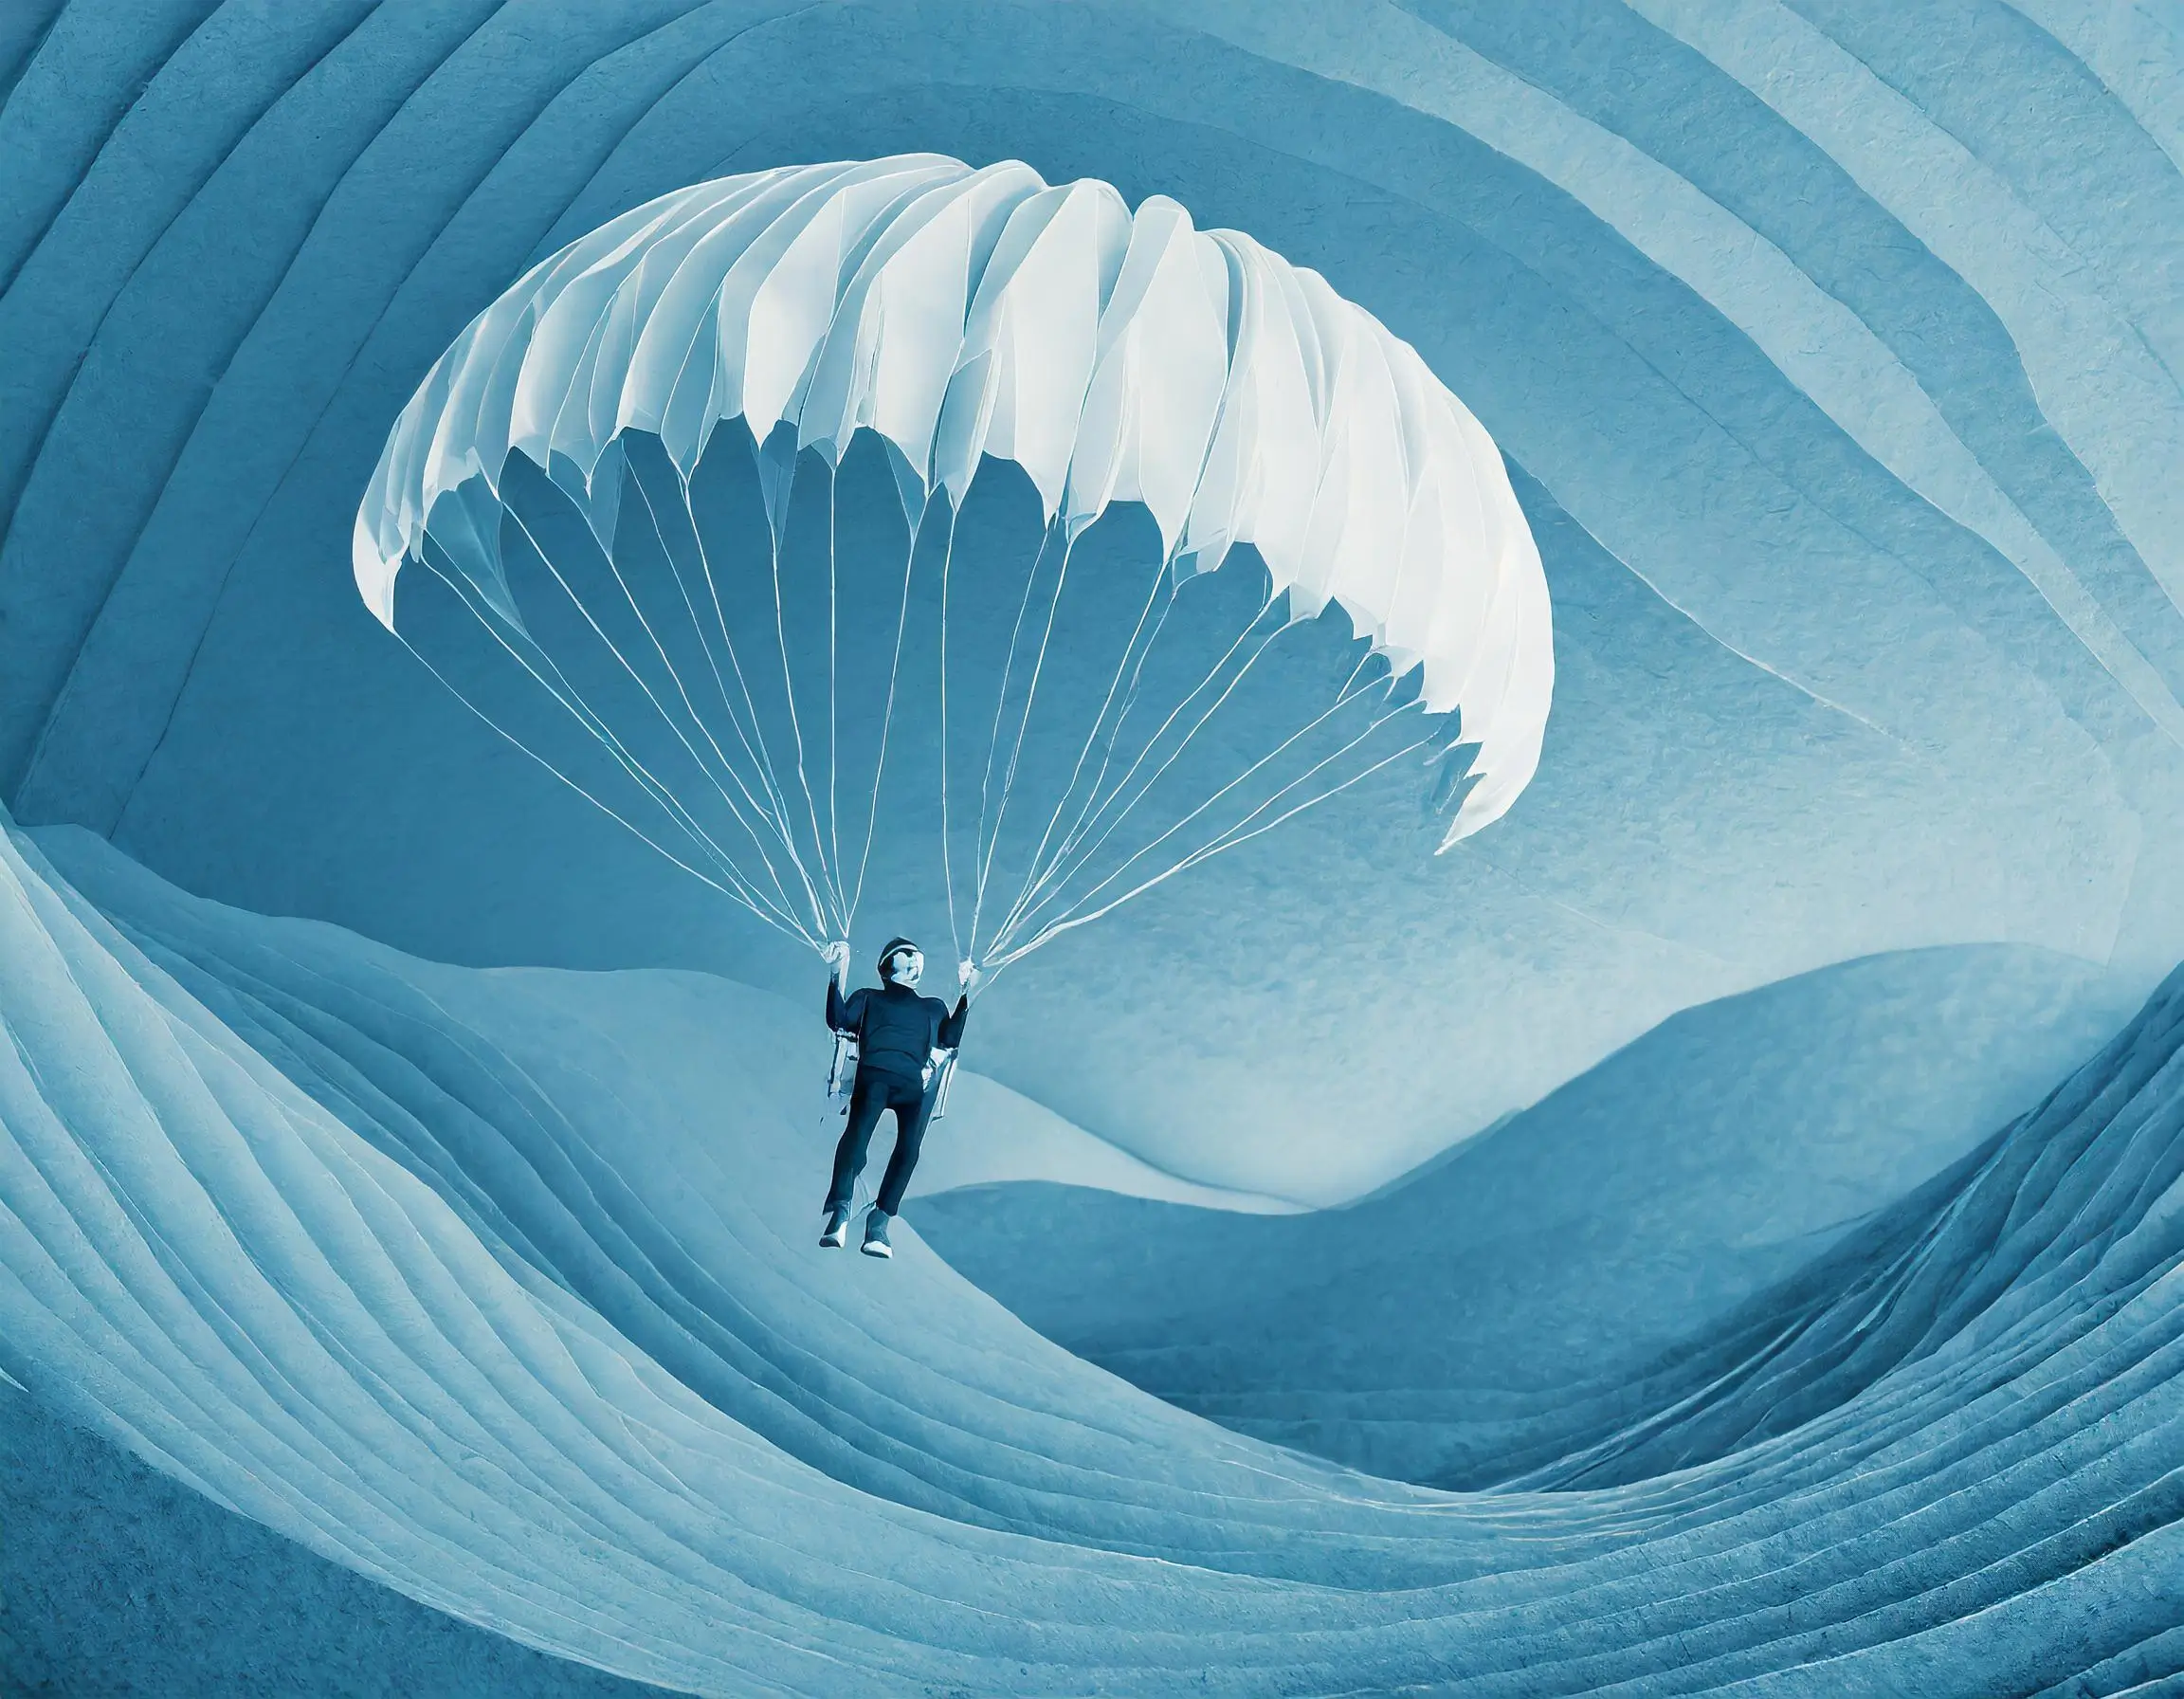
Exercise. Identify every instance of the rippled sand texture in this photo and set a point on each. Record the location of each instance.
(456, 1278)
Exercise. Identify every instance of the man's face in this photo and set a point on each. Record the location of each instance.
(904, 966)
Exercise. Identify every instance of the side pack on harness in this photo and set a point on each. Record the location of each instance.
(943, 1076)
(842, 1072)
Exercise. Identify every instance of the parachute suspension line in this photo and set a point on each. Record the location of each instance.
(981, 862)
(713, 665)
(1131, 667)
(947, 834)
(772, 812)
(1227, 841)
(1023, 723)
(696, 719)
(826, 874)
(770, 778)
(629, 667)
(1348, 695)
(1243, 831)
(651, 696)
(571, 702)
(560, 690)
(1138, 761)
(1049, 886)
(1055, 929)
(1074, 852)
(888, 717)
(748, 899)
(833, 695)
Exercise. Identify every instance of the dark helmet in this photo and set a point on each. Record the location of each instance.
(896, 946)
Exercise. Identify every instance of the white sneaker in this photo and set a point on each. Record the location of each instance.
(876, 1236)
(837, 1234)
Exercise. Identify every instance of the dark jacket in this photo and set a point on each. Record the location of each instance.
(897, 1031)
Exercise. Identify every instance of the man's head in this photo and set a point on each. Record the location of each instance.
(902, 962)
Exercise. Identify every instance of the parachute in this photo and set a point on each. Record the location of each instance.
(895, 502)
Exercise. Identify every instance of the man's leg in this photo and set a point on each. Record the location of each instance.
(910, 1114)
(866, 1098)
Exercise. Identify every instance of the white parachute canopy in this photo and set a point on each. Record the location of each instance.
(958, 315)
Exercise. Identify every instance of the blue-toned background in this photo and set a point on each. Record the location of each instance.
(1834, 357)
(1834, 347)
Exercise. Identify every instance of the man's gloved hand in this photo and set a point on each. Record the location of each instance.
(968, 976)
(837, 955)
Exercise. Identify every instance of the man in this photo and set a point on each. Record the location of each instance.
(901, 1038)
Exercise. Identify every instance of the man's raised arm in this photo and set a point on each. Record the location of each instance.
(841, 1012)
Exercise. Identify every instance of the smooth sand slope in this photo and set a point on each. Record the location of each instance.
(1488, 1314)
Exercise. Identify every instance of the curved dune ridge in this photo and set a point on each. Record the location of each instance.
(497, 1288)
(1660, 1217)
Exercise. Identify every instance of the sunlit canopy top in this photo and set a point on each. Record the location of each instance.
(958, 313)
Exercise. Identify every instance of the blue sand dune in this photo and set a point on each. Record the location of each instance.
(119, 1580)
(1456, 1326)
(497, 1288)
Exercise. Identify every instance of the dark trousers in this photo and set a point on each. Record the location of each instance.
(873, 1092)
